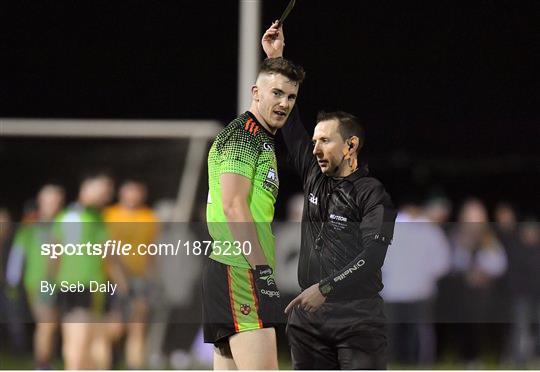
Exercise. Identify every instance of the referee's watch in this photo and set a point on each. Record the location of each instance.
(325, 287)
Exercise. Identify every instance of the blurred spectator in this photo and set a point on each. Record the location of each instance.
(524, 265)
(418, 257)
(11, 319)
(5, 241)
(506, 228)
(438, 210)
(478, 260)
(506, 220)
(131, 221)
(85, 342)
(27, 263)
(177, 315)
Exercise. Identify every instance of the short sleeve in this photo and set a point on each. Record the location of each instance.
(238, 154)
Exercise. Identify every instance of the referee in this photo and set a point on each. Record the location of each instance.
(337, 322)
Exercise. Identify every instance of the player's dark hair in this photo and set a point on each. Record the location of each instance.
(284, 67)
(349, 125)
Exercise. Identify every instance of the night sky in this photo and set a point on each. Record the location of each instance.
(449, 91)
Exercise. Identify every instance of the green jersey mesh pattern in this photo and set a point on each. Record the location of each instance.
(244, 148)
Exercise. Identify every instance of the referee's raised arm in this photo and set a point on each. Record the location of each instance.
(294, 133)
(273, 41)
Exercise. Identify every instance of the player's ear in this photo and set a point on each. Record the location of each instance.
(255, 93)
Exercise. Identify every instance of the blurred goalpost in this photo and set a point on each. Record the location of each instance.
(197, 132)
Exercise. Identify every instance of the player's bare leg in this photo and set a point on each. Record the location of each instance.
(76, 331)
(43, 342)
(101, 347)
(44, 335)
(136, 334)
(255, 349)
(223, 359)
(135, 345)
(115, 327)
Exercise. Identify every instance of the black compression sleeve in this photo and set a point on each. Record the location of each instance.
(298, 144)
(365, 264)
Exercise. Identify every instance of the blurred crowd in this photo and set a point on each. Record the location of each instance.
(153, 318)
(463, 291)
(460, 284)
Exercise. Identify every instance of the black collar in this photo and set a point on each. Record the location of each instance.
(362, 171)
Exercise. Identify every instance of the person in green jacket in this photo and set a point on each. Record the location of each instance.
(26, 264)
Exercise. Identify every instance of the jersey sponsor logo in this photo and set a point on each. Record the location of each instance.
(313, 199)
(251, 126)
(267, 147)
(335, 217)
(356, 266)
(245, 309)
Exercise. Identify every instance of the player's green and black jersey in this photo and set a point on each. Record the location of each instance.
(80, 225)
(28, 240)
(244, 147)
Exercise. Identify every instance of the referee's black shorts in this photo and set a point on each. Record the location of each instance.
(340, 335)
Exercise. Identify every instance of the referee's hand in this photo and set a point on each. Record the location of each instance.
(310, 300)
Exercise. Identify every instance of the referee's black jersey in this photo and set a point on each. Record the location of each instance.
(347, 224)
